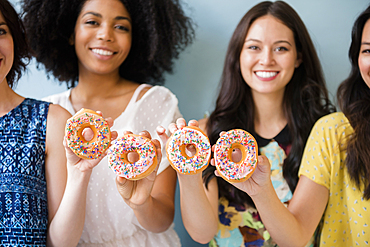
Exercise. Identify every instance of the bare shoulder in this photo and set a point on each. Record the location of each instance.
(142, 92)
(203, 124)
(57, 114)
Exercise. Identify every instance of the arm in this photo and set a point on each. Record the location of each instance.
(60, 218)
(292, 226)
(151, 198)
(199, 206)
(66, 212)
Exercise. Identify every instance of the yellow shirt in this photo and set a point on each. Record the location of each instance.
(346, 220)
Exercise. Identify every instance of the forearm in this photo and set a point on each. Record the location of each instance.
(156, 214)
(283, 226)
(70, 217)
(199, 216)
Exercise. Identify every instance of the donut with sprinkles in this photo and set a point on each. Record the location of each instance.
(228, 169)
(119, 162)
(87, 149)
(179, 159)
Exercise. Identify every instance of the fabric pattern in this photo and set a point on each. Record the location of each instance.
(23, 198)
(242, 226)
(346, 221)
(109, 220)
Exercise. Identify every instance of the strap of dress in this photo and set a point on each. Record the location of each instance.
(136, 95)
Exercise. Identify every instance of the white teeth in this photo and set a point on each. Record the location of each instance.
(265, 74)
(102, 52)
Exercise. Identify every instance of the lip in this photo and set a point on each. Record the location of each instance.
(266, 75)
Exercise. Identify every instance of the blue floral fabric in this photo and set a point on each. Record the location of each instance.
(23, 198)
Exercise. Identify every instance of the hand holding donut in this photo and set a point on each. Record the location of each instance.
(136, 191)
(76, 160)
(259, 179)
(188, 149)
(229, 168)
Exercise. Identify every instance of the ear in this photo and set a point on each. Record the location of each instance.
(71, 39)
(299, 60)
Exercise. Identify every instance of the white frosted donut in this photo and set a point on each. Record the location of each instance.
(226, 167)
(176, 155)
(119, 163)
(95, 147)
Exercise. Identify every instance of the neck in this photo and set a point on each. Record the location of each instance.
(99, 86)
(269, 118)
(8, 98)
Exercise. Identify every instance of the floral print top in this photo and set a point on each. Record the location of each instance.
(241, 225)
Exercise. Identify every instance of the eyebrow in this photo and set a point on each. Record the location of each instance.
(100, 16)
(276, 42)
(2, 23)
(365, 43)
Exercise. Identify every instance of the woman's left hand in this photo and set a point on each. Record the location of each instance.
(137, 192)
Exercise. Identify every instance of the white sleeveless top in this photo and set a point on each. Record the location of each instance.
(109, 220)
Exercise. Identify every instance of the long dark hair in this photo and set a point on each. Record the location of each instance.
(353, 97)
(21, 50)
(305, 98)
(160, 31)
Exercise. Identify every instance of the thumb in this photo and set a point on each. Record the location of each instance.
(124, 187)
(162, 134)
(263, 164)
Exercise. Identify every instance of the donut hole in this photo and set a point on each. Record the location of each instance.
(237, 153)
(87, 133)
(188, 150)
(132, 157)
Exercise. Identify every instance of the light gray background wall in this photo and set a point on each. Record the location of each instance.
(198, 70)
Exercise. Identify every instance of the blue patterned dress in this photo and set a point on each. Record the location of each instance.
(23, 200)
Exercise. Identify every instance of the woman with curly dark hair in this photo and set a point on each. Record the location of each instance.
(272, 86)
(334, 182)
(111, 53)
(40, 188)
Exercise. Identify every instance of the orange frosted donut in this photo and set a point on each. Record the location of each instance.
(95, 147)
(236, 171)
(119, 163)
(176, 155)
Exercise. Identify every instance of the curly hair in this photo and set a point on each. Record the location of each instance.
(353, 97)
(21, 49)
(160, 31)
(305, 98)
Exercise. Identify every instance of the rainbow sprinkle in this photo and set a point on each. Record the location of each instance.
(188, 136)
(228, 168)
(117, 155)
(97, 145)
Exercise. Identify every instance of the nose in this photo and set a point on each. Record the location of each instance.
(105, 33)
(267, 57)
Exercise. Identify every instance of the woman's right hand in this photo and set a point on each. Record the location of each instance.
(173, 127)
(86, 165)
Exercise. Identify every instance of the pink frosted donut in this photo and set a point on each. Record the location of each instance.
(95, 147)
(236, 171)
(118, 162)
(176, 155)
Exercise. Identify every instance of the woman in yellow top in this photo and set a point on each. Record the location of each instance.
(334, 183)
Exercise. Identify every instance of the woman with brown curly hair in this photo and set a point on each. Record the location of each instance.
(112, 53)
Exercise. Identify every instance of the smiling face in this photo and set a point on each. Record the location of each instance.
(269, 56)
(364, 55)
(6, 50)
(102, 36)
